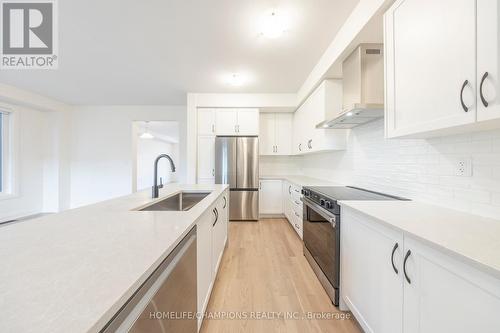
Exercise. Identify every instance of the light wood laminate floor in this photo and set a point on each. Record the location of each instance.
(264, 273)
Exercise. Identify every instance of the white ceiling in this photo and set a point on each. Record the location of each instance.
(153, 52)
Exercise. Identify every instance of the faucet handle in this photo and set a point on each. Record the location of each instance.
(161, 183)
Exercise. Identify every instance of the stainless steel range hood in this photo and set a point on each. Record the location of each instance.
(363, 88)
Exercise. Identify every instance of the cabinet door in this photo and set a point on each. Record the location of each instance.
(287, 187)
(267, 134)
(204, 258)
(206, 122)
(219, 232)
(206, 157)
(248, 122)
(226, 121)
(370, 286)
(270, 201)
(428, 61)
(446, 295)
(488, 59)
(283, 133)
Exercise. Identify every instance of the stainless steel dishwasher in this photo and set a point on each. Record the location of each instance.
(167, 301)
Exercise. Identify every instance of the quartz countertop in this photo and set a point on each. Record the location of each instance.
(72, 271)
(301, 180)
(471, 238)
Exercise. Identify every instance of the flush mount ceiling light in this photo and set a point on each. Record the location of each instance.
(272, 24)
(235, 79)
(146, 135)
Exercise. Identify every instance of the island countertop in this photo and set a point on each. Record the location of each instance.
(72, 271)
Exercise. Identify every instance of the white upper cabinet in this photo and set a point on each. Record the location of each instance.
(206, 121)
(488, 60)
(226, 122)
(324, 102)
(431, 83)
(275, 134)
(248, 121)
(237, 122)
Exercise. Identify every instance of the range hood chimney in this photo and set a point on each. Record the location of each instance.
(363, 88)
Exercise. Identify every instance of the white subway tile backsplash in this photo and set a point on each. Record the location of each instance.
(417, 168)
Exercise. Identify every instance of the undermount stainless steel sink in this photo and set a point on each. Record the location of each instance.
(181, 201)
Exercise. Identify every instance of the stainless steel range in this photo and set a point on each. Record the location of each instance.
(322, 221)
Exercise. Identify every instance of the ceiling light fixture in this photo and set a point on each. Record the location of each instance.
(235, 80)
(272, 25)
(146, 135)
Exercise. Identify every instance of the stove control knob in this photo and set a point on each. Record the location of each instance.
(328, 205)
(306, 193)
(322, 202)
(302, 191)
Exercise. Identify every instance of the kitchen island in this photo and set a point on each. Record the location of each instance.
(73, 271)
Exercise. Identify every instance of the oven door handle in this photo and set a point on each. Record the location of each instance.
(321, 211)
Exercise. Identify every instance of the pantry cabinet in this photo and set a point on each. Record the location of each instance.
(206, 159)
(431, 84)
(206, 122)
(237, 122)
(275, 134)
(323, 103)
(393, 282)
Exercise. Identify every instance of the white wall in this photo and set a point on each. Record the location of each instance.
(30, 147)
(147, 151)
(102, 154)
(279, 165)
(418, 169)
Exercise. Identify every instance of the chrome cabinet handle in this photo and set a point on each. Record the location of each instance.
(297, 203)
(213, 128)
(485, 103)
(404, 266)
(225, 202)
(300, 146)
(466, 109)
(309, 143)
(213, 172)
(296, 214)
(290, 189)
(392, 258)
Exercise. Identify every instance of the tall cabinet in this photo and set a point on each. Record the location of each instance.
(431, 83)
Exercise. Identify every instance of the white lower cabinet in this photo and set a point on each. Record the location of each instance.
(212, 230)
(431, 292)
(292, 206)
(370, 286)
(270, 201)
(446, 295)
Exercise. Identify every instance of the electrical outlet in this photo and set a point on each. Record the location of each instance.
(464, 167)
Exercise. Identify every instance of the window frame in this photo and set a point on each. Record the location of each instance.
(9, 188)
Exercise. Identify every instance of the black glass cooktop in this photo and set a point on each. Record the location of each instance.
(350, 193)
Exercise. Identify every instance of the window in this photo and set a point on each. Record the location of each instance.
(5, 153)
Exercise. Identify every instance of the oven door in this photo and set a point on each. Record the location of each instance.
(322, 239)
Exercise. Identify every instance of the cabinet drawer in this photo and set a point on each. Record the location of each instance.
(297, 224)
(296, 205)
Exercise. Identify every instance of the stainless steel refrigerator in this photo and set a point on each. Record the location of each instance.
(237, 164)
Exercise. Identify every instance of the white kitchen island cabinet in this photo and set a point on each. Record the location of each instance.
(435, 68)
(212, 231)
(414, 287)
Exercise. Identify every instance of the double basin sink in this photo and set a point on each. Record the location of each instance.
(181, 201)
